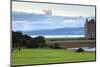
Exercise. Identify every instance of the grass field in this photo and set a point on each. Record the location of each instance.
(44, 56)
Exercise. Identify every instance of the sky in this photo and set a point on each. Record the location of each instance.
(28, 16)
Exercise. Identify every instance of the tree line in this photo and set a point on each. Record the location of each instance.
(21, 40)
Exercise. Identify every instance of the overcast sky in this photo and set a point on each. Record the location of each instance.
(57, 9)
(35, 16)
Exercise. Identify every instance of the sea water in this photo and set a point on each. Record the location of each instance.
(58, 36)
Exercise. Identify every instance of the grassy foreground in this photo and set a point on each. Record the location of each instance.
(43, 56)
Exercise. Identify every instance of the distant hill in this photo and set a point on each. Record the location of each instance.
(58, 31)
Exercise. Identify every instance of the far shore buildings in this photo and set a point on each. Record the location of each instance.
(90, 29)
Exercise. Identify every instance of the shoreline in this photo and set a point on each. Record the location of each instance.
(58, 36)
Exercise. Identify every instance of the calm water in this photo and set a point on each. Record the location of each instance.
(57, 36)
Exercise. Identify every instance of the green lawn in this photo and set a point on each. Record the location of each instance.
(43, 56)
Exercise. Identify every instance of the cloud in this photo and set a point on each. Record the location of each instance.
(20, 16)
(20, 25)
(29, 26)
(74, 23)
(47, 12)
(30, 22)
(68, 21)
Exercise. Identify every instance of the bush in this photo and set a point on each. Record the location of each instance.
(40, 41)
(80, 50)
(56, 46)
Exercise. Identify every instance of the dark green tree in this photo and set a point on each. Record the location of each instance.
(40, 42)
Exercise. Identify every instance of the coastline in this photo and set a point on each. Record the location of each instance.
(58, 36)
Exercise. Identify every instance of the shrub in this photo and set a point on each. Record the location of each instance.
(40, 41)
(80, 50)
(56, 46)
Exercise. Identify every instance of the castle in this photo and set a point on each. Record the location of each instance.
(90, 29)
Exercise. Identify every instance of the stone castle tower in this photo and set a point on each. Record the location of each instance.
(90, 29)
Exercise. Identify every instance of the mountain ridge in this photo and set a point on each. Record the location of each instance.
(57, 31)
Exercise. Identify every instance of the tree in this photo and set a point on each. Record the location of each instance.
(19, 40)
(56, 46)
(22, 40)
(40, 41)
(16, 38)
